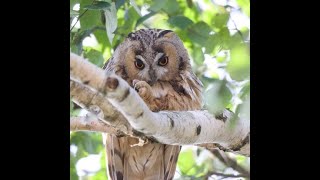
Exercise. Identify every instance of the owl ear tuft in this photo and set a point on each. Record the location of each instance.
(132, 36)
(165, 33)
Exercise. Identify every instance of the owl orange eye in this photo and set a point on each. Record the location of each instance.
(139, 64)
(163, 61)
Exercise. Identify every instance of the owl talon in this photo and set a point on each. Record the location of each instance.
(143, 89)
(134, 83)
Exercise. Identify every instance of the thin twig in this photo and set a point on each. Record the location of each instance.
(78, 18)
(225, 175)
(238, 31)
(229, 162)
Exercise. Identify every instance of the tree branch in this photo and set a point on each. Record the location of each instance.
(90, 86)
(229, 162)
(89, 99)
(225, 175)
(87, 123)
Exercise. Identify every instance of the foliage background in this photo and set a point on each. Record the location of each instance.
(216, 35)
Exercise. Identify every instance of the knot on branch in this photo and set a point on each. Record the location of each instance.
(112, 83)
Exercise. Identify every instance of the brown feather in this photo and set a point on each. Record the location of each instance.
(176, 88)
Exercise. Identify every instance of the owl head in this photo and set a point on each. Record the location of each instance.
(151, 55)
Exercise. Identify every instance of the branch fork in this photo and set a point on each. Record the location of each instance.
(120, 110)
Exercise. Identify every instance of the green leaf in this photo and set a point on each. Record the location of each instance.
(71, 105)
(73, 13)
(217, 96)
(197, 55)
(145, 17)
(245, 91)
(224, 35)
(101, 174)
(239, 37)
(199, 33)
(97, 5)
(211, 43)
(75, 112)
(76, 43)
(245, 108)
(102, 39)
(171, 7)
(245, 6)
(87, 143)
(220, 40)
(131, 16)
(180, 21)
(111, 21)
(221, 57)
(95, 57)
(73, 171)
(186, 161)
(134, 4)
(239, 64)
(221, 20)
(157, 5)
(190, 3)
(73, 2)
(119, 3)
(89, 19)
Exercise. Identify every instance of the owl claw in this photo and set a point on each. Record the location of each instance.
(145, 92)
(134, 83)
(143, 88)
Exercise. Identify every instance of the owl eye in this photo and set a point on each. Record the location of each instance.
(163, 61)
(139, 64)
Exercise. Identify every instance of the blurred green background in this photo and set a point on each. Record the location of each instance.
(216, 34)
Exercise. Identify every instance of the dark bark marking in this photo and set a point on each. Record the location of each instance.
(86, 82)
(139, 115)
(112, 83)
(242, 143)
(125, 95)
(198, 129)
(221, 117)
(137, 133)
(171, 123)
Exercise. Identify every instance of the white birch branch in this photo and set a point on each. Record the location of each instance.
(167, 127)
(90, 99)
(87, 123)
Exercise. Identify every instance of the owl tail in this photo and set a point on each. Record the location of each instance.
(152, 161)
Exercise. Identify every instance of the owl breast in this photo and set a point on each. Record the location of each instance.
(168, 97)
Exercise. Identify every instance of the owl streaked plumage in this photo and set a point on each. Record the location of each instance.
(157, 65)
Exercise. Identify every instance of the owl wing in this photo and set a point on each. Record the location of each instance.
(192, 85)
(171, 154)
(156, 161)
(114, 157)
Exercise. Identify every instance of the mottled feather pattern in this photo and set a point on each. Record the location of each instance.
(173, 87)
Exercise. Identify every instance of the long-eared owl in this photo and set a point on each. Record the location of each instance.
(157, 65)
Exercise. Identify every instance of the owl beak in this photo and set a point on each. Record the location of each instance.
(152, 76)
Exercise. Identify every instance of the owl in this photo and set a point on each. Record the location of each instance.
(156, 64)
